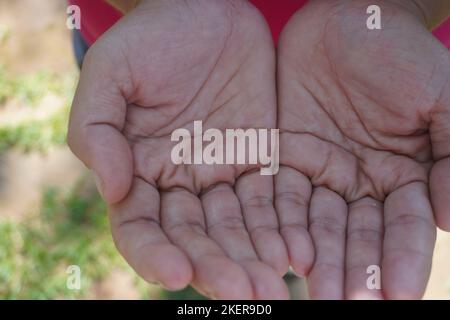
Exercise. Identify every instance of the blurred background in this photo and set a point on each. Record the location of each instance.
(51, 216)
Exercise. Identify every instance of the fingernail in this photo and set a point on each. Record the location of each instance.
(98, 183)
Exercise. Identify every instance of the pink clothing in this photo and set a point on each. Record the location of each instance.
(97, 16)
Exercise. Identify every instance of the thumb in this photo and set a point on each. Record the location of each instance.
(440, 172)
(95, 127)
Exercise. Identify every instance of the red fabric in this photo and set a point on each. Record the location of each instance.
(443, 33)
(277, 13)
(97, 17)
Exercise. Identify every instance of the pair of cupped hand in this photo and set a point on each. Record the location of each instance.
(364, 119)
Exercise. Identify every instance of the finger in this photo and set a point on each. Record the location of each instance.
(440, 141)
(364, 247)
(328, 220)
(409, 239)
(96, 120)
(331, 165)
(292, 195)
(440, 191)
(255, 193)
(226, 226)
(135, 227)
(215, 275)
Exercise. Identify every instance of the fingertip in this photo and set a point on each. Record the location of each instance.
(408, 244)
(280, 263)
(272, 250)
(231, 283)
(267, 284)
(168, 266)
(301, 269)
(404, 278)
(179, 274)
(112, 162)
(443, 224)
(114, 189)
(400, 294)
(236, 289)
(300, 250)
(440, 193)
(442, 220)
(364, 295)
(220, 278)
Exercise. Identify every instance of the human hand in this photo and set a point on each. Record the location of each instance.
(364, 117)
(164, 65)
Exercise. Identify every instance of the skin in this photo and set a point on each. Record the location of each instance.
(364, 118)
(166, 64)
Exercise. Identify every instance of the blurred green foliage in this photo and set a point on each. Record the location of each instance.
(29, 89)
(37, 134)
(69, 228)
(35, 252)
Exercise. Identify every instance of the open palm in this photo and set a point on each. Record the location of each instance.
(364, 119)
(163, 66)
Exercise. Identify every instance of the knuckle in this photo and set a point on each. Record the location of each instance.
(327, 225)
